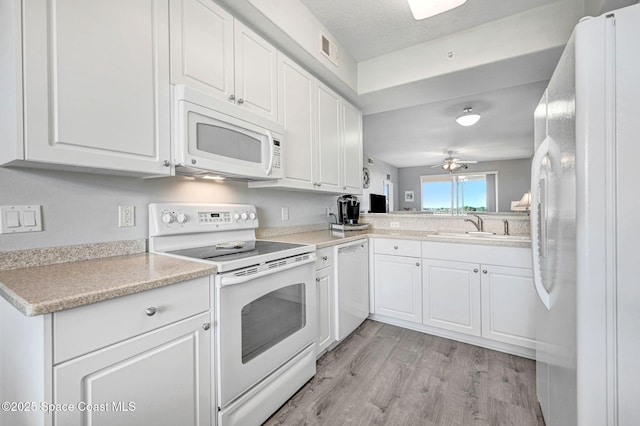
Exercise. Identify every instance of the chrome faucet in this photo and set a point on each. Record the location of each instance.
(479, 224)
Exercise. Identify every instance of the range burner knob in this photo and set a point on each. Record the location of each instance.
(244, 215)
(236, 217)
(252, 216)
(167, 218)
(181, 217)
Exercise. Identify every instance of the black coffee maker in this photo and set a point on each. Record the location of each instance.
(348, 209)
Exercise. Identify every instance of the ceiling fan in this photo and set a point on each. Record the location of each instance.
(451, 164)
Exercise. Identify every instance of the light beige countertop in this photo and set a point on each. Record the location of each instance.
(45, 289)
(327, 238)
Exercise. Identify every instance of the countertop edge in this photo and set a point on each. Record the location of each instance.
(32, 309)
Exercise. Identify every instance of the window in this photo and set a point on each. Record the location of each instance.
(459, 194)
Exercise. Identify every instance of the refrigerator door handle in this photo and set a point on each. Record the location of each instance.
(536, 166)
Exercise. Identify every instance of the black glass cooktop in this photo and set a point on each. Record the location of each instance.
(234, 250)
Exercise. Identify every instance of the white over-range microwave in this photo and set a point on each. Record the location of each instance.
(212, 138)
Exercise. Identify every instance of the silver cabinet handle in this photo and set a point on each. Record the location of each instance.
(317, 280)
(232, 98)
(484, 271)
(240, 101)
(475, 270)
(319, 184)
(324, 258)
(395, 247)
(193, 161)
(206, 326)
(166, 163)
(417, 264)
(150, 311)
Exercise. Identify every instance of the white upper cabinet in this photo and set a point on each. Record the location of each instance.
(351, 166)
(218, 55)
(322, 148)
(256, 82)
(96, 85)
(329, 140)
(297, 98)
(202, 47)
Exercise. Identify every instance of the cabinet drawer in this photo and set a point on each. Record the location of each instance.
(397, 247)
(324, 257)
(87, 328)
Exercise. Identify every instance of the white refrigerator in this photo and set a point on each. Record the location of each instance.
(585, 229)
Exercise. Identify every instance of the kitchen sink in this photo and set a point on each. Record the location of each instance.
(481, 236)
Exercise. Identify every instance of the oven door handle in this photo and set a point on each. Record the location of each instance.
(231, 278)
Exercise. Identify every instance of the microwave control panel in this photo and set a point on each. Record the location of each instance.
(276, 154)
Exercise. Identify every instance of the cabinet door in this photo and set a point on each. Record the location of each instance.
(202, 47)
(96, 84)
(324, 300)
(398, 287)
(329, 141)
(508, 305)
(159, 378)
(451, 295)
(351, 149)
(297, 91)
(256, 78)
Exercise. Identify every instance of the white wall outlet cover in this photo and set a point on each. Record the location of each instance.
(126, 216)
(285, 213)
(395, 224)
(15, 219)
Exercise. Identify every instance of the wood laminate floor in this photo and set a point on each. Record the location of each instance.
(387, 375)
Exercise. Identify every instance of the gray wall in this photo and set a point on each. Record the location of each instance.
(82, 208)
(514, 179)
(378, 172)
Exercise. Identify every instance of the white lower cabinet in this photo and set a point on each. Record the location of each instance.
(398, 287)
(508, 305)
(141, 359)
(324, 300)
(451, 296)
(480, 294)
(161, 378)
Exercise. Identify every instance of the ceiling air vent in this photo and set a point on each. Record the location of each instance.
(329, 49)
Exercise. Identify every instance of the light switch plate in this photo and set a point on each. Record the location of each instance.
(15, 219)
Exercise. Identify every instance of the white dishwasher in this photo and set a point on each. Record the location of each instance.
(352, 287)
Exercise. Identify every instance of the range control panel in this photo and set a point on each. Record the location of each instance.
(168, 219)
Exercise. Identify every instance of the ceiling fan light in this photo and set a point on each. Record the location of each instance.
(467, 118)
(422, 9)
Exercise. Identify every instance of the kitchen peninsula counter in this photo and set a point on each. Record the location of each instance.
(45, 289)
(328, 238)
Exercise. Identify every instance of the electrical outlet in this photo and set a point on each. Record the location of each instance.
(285, 213)
(395, 224)
(329, 212)
(126, 216)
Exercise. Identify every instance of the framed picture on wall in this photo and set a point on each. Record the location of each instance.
(408, 196)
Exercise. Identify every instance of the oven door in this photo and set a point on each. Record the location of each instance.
(208, 141)
(263, 320)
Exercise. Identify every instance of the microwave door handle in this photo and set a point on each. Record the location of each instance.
(271, 152)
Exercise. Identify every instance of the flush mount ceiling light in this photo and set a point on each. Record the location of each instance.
(468, 118)
(422, 9)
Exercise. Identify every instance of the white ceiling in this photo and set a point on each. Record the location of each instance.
(414, 133)
(370, 28)
(423, 134)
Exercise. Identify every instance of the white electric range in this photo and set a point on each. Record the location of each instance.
(264, 303)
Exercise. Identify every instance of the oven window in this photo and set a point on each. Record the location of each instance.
(271, 319)
(228, 143)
